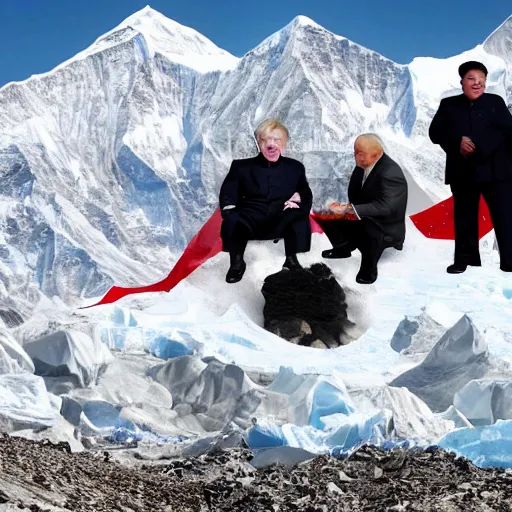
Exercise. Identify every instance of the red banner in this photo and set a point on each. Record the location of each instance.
(437, 221)
(205, 245)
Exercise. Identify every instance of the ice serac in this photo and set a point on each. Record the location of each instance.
(8, 365)
(68, 359)
(138, 399)
(412, 418)
(208, 393)
(460, 356)
(309, 398)
(485, 401)
(487, 446)
(25, 403)
(13, 349)
(415, 336)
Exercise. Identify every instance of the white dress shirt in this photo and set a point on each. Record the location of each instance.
(367, 171)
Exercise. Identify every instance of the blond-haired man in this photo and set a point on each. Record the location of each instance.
(265, 197)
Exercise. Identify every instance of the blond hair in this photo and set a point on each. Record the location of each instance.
(268, 125)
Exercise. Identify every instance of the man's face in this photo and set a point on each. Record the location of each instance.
(365, 154)
(272, 144)
(473, 84)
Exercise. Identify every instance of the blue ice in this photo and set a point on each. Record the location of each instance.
(333, 425)
(125, 334)
(349, 435)
(165, 347)
(327, 400)
(122, 316)
(488, 446)
(101, 414)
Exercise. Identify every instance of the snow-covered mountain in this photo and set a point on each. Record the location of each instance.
(113, 160)
(499, 43)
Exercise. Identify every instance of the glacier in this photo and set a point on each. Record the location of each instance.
(110, 164)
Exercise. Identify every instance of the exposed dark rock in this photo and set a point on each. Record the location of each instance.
(11, 318)
(41, 476)
(306, 307)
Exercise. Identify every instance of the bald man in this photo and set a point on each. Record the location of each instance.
(377, 195)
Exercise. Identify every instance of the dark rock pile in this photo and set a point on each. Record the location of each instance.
(306, 307)
(43, 477)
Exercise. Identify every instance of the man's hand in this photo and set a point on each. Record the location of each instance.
(466, 146)
(227, 210)
(338, 208)
(292, 202)
(295, 198)
(349, 210)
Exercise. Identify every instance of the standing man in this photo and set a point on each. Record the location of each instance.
(475, 131)
(377, 193)
(265, 197)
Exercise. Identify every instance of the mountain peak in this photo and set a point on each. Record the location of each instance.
(500, 41)
(149, 11)
(505, 27)
(148, 15)
(296, 28)
(300, 25)
(176, 42)
(302, 20)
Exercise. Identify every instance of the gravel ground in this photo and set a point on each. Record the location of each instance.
(40, 476)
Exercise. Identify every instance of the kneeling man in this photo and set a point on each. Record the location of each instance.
(377, 194)
(265, 197)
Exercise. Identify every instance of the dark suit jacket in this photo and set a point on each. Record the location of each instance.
(488, 123)
(256, 182)
(382, 198)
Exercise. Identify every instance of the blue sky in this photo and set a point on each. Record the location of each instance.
(37, 35)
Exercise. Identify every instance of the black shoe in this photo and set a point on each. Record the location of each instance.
(506, 268)
(336, 252)
(235, 272)
(291, 263)
(366, 276)
(457, 268)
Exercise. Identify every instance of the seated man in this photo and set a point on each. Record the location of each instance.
(265, 197)
(377, 195)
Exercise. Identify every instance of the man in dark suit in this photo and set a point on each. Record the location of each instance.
(475, 131)
(265, 197)
(377, 195)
